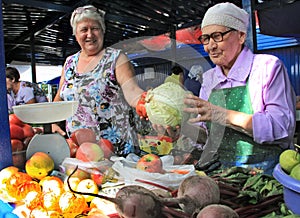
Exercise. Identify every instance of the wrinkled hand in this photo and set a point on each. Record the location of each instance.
(205, 110)
(57, 129)
(140, 107)
(173, 133)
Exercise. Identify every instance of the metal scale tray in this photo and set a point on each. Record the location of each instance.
(45, 114)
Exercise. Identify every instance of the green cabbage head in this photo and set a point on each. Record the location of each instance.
(164, 104)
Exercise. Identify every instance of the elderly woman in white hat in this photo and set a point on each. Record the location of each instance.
(246, 101)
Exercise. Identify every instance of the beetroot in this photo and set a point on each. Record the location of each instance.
(196, 192)
(217, 211)
(135, 201)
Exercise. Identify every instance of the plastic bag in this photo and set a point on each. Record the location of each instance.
(71, 163)
(125, 167)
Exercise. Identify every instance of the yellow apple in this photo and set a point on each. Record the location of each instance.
(39, 165)
(88, 186)
(74, 181)
(5, 173)
(81, 174)
(33, 200)
(71, 203)
(52, 184)
(51, 201)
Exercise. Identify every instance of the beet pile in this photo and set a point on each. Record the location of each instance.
(214, 196)
(133, 201)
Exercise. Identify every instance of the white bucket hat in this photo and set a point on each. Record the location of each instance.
(226, 14)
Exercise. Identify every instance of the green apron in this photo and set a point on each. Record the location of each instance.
(236, 148)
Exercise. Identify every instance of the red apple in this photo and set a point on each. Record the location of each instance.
(19, 160)
(150, 163)
(80, 136)
(13, 119)
(28, 130)
(18, 153)
(107, 147)
(16, 145)
(73, 147)
(98, 177)
(26, 142)
(16, 132)
(88, 151)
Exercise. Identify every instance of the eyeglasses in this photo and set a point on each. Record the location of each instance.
(216, 36)
(91, 8)
(80, 10)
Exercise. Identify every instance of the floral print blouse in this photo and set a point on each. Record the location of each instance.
(102, 106)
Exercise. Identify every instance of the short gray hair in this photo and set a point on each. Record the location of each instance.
(87, 12)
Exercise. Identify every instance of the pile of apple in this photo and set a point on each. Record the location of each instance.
(289, 161)
(85, 147)
(20, 135)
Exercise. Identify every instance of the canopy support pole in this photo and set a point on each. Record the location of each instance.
(5, 145)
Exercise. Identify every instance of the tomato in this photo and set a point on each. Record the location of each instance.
(13, 119)
(16, 145)
(16, 132)
(28, 130)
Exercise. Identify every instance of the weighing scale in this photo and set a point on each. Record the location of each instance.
(53, 144)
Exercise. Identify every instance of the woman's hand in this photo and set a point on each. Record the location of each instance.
(204, 110)
(57, 129)
(208, 112)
